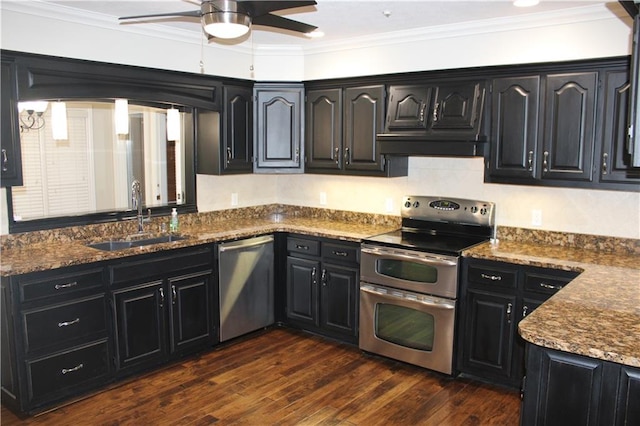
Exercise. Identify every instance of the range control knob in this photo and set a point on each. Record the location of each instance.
(416, 204)
(474, 209)
(483, 211)
(407, 204)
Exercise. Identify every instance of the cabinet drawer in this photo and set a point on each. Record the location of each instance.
(47, 284)
(161, 264)
(303, 246)
(58, 324)
(546, 283)
(54, 373)
(494, 277)
(341, 252)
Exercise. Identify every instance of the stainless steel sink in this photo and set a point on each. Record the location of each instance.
(112, 245)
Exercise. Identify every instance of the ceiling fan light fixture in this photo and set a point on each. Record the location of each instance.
(226, 24)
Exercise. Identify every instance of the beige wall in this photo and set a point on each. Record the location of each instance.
(595, 33)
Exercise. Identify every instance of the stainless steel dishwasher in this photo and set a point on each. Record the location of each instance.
(246, 286)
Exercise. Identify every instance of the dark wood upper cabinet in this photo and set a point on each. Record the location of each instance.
(409, 107)
(457, 107)
(363, 120)
(237, 141)
(569, 126)
(278, 128)
(10, 158)
(614, 158)
(323, 131)
(514, 126)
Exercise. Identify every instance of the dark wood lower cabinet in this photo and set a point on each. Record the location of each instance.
(568, 389)
(68, 331)
(322, 286)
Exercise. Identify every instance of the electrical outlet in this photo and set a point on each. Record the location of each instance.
(536, 217)
(323, 198)
(234, 198)
(389, 205)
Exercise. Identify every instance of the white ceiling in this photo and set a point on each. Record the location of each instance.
(340, 20)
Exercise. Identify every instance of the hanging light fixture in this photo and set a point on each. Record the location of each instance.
(59, 121)
(173, 124)
(34, 119)
(223, 20)
(122, 117)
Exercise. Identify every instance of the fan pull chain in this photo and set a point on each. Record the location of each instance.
(201, 54)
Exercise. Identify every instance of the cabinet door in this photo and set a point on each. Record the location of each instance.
(457, 107)
(191, 318)
(627, 406)
(615, 160)
(514, 126)
(237, 141)
(323, 141)
(140, 324)
(278, 128)
(569, 126)
(562, 389)
(363, 120)
(10, 156)
(489, 330)
(302, 290)
(339, 287)
(408, 108)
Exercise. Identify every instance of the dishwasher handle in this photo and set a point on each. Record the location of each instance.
(243, 244)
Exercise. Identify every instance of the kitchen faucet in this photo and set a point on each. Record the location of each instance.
(136, 202)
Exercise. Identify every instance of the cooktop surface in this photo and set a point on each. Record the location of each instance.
(423, 241)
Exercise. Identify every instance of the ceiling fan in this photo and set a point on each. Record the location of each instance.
(233, 18)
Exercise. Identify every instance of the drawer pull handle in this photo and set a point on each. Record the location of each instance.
(68, 323)
(551, 287)
(491, 277)
(340, 253)
(300, 247)
(67, 285)
(71, 370)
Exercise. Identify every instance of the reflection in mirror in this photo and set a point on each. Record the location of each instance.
(91, 171)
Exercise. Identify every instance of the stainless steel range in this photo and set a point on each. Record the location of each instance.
(409, 279)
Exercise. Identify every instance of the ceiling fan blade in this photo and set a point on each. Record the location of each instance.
(276, 21)
(191, 14)
(257, 8)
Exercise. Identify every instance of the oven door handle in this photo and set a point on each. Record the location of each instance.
(433, 303)
(420, 258)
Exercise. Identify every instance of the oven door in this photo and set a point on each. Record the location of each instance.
(410, 270)
(414, 328)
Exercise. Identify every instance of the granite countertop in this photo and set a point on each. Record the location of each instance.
(56, 253)
(596, 315)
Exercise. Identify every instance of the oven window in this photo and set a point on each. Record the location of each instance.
(404, 326)
(407, 270)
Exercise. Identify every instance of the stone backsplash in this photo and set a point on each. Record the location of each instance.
(274, 211)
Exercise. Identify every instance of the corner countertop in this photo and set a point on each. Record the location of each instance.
(596, 315)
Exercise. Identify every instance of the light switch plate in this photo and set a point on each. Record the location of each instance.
(234, 198)
(323, 198)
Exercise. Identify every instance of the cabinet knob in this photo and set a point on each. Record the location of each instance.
(174, 295)
(509, 307)
(436, 112)
(323, 278)
(297, 155)
(314, 273)
(161, 297)
(337, 155)
(530, 161)
(545, 162)
(525, 311)
(422, 108)
(347, 156)
(229, 155)
(605, 157)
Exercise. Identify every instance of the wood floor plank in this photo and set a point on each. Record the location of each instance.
(287, 377)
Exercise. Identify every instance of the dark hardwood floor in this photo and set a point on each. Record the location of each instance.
(287, 377)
